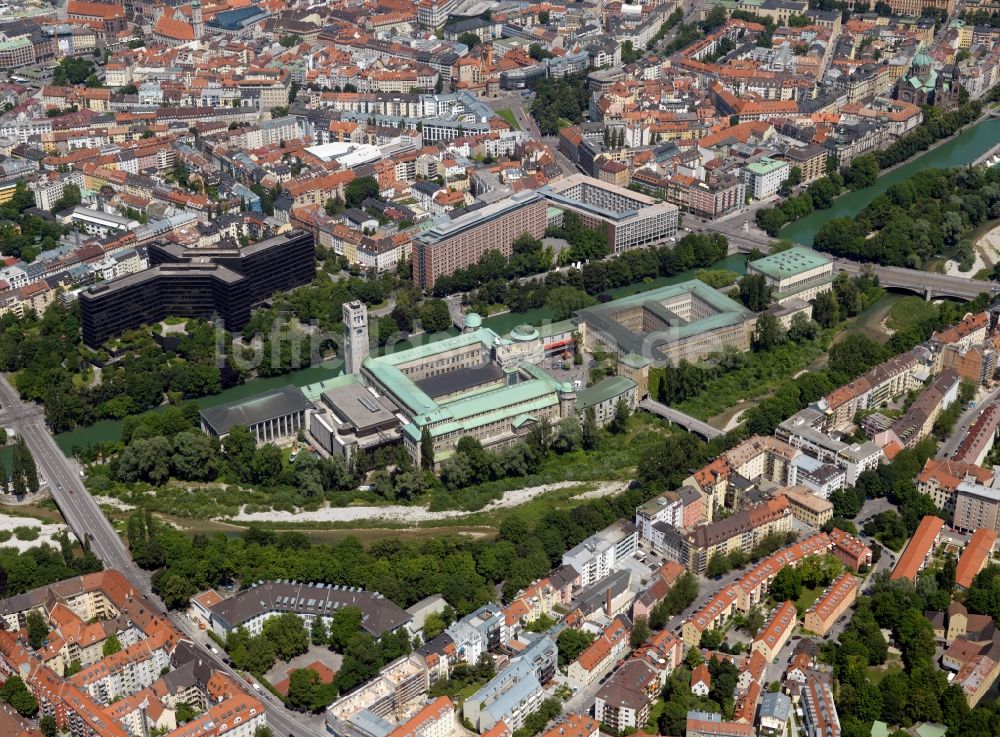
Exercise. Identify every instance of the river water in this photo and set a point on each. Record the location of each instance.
(109, 431)
(959, 151)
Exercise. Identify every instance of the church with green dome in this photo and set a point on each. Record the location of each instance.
(922, 84)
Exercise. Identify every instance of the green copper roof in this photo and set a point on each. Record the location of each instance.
(789, 263)
(609, 388)
(765, 166)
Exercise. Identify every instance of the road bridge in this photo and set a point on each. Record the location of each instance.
(927, 284)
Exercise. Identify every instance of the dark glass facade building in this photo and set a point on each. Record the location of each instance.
(198, 282)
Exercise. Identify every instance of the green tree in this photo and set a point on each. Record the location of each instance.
(754, 292)
(426, 449)
(267, 465)
(717, 565)
(619, 422)
(640, 631)
(564, 301)
(360, 189)
(239, 448)
(344, 624)
(70, 198)
(194, 457)
(317, 632)
(111, 646)
(434, 315)
(24, 473)
(186, 712)
(47, 725)
(15, 693)
(787, 585)
(307, 692)
(589, 429)
(288, 635)
(470, 39)
(38, 629)
(768, 334)
(571, 642)
(826, 310)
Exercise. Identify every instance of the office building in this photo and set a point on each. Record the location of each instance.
(206, 283)
(686, 321)
(798, 272)
(627, 219)
(457, 243)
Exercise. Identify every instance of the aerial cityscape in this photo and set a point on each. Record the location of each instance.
(490, 368)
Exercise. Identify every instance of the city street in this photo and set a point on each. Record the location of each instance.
(962, 425)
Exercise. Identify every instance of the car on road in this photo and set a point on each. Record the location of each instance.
(58, 486)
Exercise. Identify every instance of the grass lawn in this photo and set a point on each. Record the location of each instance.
(910, 311)
(508, 116)
(807, 597)
(468, 691)
(878, 672)
(654, 716)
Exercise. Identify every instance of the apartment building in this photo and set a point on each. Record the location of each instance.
(743, 530)
(806, 506)
(850, 550)
(624, 701)
(819, 711)
(940, 479)
(681, 509)
(596, 556)
(516, 691)
(601, 655)
(831, 604)
(883, 383)
(977, 506)
(919, 549)
(776, 631)
(918, 421)
(977, 555)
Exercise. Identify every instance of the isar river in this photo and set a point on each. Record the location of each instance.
(961, 150)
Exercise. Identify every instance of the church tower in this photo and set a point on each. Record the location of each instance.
(355, 335)
(196, 21)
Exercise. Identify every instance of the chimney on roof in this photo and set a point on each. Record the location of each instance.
(607, 601)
